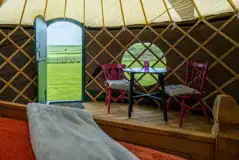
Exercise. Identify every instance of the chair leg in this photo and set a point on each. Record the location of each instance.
(106, 99)
(181, 113)
(122, 94)
(169, 103)
(109, 100)
(107, 95)
(204, 109)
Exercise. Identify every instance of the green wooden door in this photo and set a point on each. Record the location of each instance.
(41, 57)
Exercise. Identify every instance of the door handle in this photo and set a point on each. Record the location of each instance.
(41, 59)
(37, 45)
(37, 51)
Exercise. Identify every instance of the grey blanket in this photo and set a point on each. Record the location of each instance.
(62, 133)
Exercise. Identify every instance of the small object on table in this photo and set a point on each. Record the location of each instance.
(160, 72)
(146, 65)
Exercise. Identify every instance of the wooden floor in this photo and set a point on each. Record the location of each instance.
(148, 116)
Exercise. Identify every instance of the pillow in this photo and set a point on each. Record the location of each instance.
(179, 90)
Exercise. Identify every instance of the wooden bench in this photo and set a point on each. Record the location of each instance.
(226, 128)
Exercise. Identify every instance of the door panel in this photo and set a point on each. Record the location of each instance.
(41, 57)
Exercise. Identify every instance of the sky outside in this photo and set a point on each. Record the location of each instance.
(64, 33)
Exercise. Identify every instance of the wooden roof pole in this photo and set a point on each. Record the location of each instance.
(145, 16)
(23, 11)
(166, 7)
(233, 6)
(197, 10)
(1, 2)
(46, 5)
(122, 13)
(65, 9)
(102, 12)
(84, 11)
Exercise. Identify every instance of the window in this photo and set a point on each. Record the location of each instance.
(135, 56)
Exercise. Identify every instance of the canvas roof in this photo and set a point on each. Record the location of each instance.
(112, 13)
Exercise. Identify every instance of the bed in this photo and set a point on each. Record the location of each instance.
(16, 144)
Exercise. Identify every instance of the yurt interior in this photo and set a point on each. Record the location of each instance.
(119, 79)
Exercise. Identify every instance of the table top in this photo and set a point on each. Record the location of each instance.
(146, 70)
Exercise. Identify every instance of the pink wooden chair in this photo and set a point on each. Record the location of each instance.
(193, 88)
(115, 79)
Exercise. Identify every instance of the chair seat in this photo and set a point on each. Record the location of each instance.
(119, 84)
(180, 90)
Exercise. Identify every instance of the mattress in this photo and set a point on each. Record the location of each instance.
(15, 144)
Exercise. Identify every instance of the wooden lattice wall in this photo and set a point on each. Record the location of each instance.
(215, 41)
(17, 64)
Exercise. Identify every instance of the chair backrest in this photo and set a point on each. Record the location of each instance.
(196, 74)
(113, 71)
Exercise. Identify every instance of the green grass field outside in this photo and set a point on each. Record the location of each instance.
(64, 79)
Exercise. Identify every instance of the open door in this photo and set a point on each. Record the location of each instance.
(41, 57)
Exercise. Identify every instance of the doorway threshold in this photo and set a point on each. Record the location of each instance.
(73, 104)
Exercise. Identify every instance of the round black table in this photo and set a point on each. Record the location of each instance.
(132, 93)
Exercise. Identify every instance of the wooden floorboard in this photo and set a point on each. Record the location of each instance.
(148, 115)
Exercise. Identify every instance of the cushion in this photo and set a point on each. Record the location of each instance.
(147, 153)
(119, 84)
(15, 141)
(179, 90)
